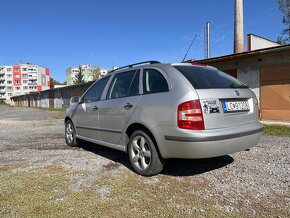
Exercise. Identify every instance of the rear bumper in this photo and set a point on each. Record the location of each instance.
(208, 143)
(213, 137)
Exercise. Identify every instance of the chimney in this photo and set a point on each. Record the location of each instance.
(239, 27)
(207, 40)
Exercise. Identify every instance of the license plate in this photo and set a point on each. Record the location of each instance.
(235, 106)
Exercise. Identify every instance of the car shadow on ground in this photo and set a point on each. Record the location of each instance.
(173, 167)
(190, 167)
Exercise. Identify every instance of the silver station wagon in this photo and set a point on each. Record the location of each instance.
(155, 111)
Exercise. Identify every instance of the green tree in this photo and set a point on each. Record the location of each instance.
(284, 6)
(53, 82)
(96, 73)
(79, 78)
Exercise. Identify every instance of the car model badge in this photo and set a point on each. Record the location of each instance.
(237, 92)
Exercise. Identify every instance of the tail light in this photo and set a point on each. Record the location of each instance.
(189, 116)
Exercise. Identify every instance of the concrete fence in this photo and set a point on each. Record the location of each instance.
(53, 98)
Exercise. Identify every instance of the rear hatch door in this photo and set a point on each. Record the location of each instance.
(227, 107)
(225, 101)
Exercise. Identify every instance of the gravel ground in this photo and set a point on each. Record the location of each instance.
(34, 137)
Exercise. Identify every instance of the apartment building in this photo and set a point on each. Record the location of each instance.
(87, 70)
(22, 79)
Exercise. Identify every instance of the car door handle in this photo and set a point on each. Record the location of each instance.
(95, 108)
(128, 106)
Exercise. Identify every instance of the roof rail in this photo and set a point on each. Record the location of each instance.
(132, 65)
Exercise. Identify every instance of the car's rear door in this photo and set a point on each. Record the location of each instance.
(225, 101)
(120, 103)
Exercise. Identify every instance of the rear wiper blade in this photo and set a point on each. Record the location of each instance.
(236, 86)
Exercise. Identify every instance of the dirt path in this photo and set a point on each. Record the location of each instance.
(249, 183)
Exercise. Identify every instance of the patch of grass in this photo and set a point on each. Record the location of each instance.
(277, 130)
(2, 103)
(59, 113)
(47, 192)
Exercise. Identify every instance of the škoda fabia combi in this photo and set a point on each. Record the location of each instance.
(157, 111)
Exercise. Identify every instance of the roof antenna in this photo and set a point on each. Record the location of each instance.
(189, 48)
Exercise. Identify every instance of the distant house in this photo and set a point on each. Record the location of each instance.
(87, 71)
(22, 79)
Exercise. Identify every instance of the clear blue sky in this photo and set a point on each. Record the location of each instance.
(61, 33)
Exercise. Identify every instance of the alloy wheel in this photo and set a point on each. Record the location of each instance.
(140, 152)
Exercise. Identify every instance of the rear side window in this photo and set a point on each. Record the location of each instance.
(154, 82)
(209, 78)
(124, 84)
(95, 92)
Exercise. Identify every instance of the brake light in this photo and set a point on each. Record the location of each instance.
(189, 115)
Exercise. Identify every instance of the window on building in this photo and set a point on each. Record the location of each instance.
(17, 76)
(17, 88)
(10, 94)
(9, 88)
(24, 69)
(25, 81)
(17, 82)
(25, 75)
(8, 69)
(9, 75)
(16, 70)
(25, 87)
(9, 82)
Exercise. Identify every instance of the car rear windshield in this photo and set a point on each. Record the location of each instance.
(209, 78)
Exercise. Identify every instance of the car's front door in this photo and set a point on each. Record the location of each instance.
(121, 101)
(87, 114)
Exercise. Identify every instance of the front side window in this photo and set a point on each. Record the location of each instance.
(154, 82)
(95, 92)
(124, 84)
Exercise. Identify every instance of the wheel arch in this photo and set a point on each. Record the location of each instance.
(67, 119)
(138, 126)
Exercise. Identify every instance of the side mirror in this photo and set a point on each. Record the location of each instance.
(74, 100)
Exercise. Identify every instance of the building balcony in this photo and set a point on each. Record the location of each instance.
(32, 84)
(2, 90)
(32, 78)
(2, 72)
(2, 79)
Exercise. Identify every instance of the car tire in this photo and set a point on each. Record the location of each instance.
(70, 134)
(143, 155)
